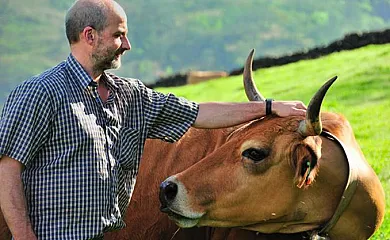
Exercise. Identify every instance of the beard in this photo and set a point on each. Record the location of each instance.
(106, 58)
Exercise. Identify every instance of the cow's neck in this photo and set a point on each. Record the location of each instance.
(351, 172)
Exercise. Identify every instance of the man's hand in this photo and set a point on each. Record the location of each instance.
(288, 108)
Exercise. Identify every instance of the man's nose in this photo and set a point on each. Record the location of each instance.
(126, 43)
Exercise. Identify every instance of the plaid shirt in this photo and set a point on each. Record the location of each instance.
(81, 155)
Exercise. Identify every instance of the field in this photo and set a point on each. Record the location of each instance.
(361, 93)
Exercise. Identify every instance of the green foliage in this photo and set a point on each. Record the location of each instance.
(361, 94)
(179, 35)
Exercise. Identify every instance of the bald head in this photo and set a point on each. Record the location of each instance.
(93, 13)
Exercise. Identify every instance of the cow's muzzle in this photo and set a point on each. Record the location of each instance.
(174, 202)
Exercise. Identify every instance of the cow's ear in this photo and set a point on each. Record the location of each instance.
(305, 161)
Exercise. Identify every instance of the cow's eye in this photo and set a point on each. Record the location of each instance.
(255, 154)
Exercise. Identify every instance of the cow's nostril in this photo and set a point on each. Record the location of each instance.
(171, 191)
(168, 192)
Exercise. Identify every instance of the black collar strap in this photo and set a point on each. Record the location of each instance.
(349, 191)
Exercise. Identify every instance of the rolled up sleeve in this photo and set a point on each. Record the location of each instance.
(169, 116)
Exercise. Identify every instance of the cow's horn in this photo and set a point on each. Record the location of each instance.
(251, 90)
(312, 125)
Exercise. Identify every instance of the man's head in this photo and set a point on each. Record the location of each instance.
(96, 30)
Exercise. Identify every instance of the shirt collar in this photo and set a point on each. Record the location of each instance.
(83, 78)
(109, 81)
(77, 72)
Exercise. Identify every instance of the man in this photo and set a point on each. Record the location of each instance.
(71, 138)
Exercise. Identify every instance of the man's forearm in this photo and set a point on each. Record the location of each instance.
(219, 115)
(13, 201)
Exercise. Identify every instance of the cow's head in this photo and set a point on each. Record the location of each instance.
(254, 179)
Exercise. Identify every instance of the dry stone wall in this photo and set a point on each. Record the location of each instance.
(350, 41)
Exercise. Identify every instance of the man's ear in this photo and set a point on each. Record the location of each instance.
(88, 35)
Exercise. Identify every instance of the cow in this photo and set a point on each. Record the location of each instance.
(301, 176)
(272, 178)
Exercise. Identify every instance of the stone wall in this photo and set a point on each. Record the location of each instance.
(350, 41)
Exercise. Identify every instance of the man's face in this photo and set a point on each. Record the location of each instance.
(111, 43)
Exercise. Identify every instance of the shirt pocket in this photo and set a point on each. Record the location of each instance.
(129, 148)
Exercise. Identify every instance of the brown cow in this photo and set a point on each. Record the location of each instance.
(270, 179)
(275, 175)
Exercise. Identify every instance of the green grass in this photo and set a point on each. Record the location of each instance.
(362, 94)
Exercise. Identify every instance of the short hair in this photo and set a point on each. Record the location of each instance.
(83, 14)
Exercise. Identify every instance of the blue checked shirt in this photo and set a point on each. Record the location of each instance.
(81, 155)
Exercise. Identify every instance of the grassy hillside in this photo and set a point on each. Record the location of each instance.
(176, 35)
(362, 94)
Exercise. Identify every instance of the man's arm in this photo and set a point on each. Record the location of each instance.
(12, 199)
(218, 115)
